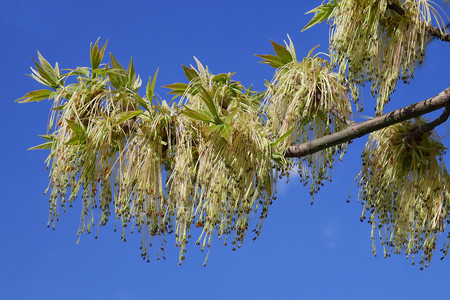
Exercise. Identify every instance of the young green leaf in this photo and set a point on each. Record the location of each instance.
(282, 137)
(150, 90)
(60, 107)
(118, 77)
(43, 146)
(45, 74)
(229, 118)
(140, 101)
(77, 140)
(177, 88)
(48, 137)
(282, 53)
(125, 116)
(76, 128)
(131, 73)
(196, 115)
(209, 101)
(271, 60)
(322, 13)
(97, 54)
(190, 73)
(221, 78)
(32, 96)
(226, 131)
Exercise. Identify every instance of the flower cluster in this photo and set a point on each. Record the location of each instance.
(404, 188)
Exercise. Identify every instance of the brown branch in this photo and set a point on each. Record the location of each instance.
(341, 117)
(434, 31)
(397, 8)
(417, 133)
(358, 130)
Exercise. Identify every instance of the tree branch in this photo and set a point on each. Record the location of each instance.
(358, 130)
(434, 31)
(417, 133)
(341, 117)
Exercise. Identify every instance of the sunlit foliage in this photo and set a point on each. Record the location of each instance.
(304, 101)
(211, 159)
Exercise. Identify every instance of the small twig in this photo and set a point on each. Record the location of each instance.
(397, 8)
(341, 117)
(418, 131)
(437, 33)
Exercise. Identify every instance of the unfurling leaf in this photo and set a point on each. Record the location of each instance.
(125, 116)
(190, 73)
(321, 13)
(117, 77)
(177, 88)
(282, 53)
(196, 115)
(207, 98)
(32, 96)
(271, 60)
(76, 128)
(150, 90)
(97, 54)
(43, 146)
(45, 73)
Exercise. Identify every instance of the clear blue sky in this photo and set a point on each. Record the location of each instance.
(304, 252)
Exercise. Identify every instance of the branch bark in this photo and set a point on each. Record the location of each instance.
(360, 129)
(436, 32)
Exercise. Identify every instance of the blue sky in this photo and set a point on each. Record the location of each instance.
(304, 252)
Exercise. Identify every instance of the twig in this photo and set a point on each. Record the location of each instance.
(341, 117)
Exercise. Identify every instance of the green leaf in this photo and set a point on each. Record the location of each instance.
(43, 146)
(48, 137)
(226, 131)
(46, 73)
(97, 54)
(115, 63)
(209, 101)
(77, 140)
(141, 101)
(278, 158)
(117, 77)
(221, 78)
(271, 60)
(131, 73)
(212, 128)
(81, 71)
(282, 52)
(61, 107)
(230, 117)
(177, 88)
(51, 72)
(150, 90)
(32, 96)
(76, 128)
(196, 115)
(126, 115)
(288, 133)
(322, 13)
(190, 73)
